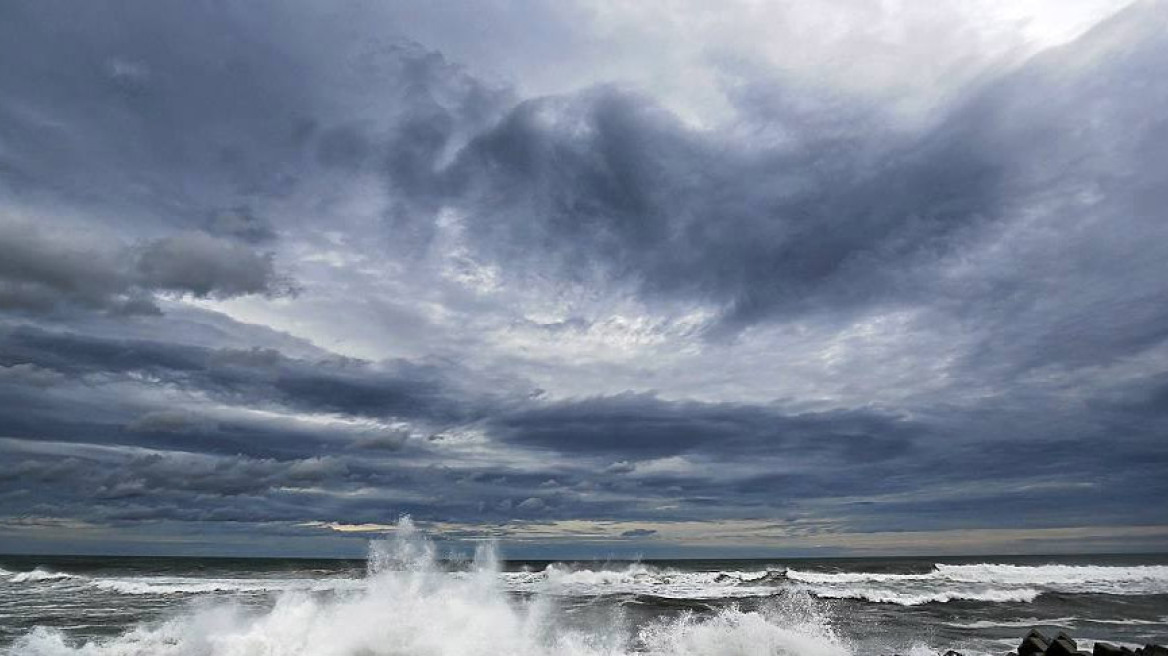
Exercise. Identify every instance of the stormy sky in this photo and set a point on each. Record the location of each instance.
(671, 278)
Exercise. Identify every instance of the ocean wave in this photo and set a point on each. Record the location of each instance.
(181, 585)
(917, 598)
(409, 605)
(40, 574)
(1022, 623)
(642, 579)
(1062, 622)
(984, 582)
(1142, 579)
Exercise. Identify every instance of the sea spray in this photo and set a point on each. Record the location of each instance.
(410, 606)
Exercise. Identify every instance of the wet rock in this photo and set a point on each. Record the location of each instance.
(1107, 649)
(1033, 644)
(1037, 644)
(1062, 645)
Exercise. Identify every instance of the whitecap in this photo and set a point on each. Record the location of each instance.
(40, 574)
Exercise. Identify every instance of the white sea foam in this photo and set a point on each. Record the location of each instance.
(641, 579)
(39, 574)
(1022, 623)
(916, 598)
(984, 582)
(164, 585)
(407, 606)
(1143, 579)
(1063, 622)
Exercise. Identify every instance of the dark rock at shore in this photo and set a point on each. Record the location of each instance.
(1062, 645)
(1037, 644)
(1108, 649)
(1033, 644)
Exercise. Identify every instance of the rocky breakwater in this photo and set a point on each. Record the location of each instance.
(1038, 644)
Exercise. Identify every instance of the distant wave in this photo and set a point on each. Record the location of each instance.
(182, 585)
(915, 598)
(1063, 622)
(1022, 623)
(984, 582)
(38, 574)
(641, 579)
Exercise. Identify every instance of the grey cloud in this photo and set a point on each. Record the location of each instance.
(172, 473)
(429, 392)
(171, 421)
(242, 223)
(29, 374)
(647, 426)
(205, 266)
(607, 180)
(45, 271)
(639, 533)
(39, 271)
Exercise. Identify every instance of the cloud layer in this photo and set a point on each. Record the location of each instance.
(288, 270)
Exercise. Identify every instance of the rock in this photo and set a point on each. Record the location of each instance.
(952, 653)
(1062, 645)
(1033, 644)
(1106, 649)
(1153, 650)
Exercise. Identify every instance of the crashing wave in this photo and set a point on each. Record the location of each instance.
(408, 605)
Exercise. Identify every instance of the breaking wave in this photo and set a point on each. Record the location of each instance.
(992, 583)
(408, 605)
(38, 574)
(181, 585)
(641, 579)
(984, 582)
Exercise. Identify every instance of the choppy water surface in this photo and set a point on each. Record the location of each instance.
(403, 602)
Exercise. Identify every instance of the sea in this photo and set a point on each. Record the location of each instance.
(403, 600)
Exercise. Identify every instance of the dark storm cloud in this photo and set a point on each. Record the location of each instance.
(842, 210)
(205, 266)
(254, 377)
(43, 271)
(645, 426)
(638, 533)
(202, 116)
(609, 181)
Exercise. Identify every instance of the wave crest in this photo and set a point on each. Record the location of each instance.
(40, 574)
(984, 582)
